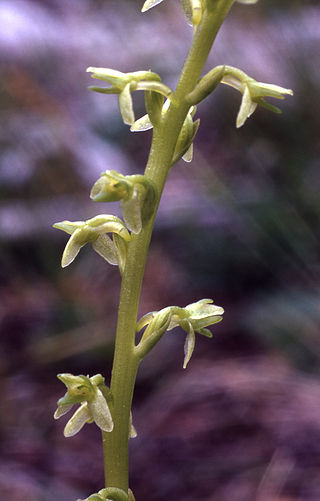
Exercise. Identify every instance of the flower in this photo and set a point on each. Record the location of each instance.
(92, 394)
(253, 93)
(136, 194)
(195, 317)
(112, 493)
(124, 83)
(94, 230)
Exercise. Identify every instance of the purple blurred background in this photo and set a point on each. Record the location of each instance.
(240, 224)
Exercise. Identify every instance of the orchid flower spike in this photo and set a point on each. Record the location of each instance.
(93, 395)
(136, 193)
(95, 231)
(124, 83)
(195, 317)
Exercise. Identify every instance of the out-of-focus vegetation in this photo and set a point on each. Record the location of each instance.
(240, 224)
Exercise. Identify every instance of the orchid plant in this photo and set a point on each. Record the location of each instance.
(170, 113)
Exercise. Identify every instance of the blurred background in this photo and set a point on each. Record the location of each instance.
(239, 224)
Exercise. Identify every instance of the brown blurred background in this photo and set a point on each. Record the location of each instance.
(240, 224)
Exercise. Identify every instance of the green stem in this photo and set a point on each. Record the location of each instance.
(125, 364)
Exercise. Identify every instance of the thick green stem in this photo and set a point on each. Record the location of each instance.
(125, 364)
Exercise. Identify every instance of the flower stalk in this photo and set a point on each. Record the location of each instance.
(162, 149)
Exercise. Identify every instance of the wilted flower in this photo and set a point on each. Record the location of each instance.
(195, 317)
(95, 231)
(91, 393)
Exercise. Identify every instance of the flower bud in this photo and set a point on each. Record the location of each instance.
(118, 79)
(187, 134)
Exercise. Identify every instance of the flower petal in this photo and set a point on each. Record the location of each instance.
(78, 420)
(154, 86)
(260, 89)
(105, 223)
(148, 4)
(141, 124)
(188, 156)
(132, 431)
(189, 345)
(121, 249)
(126, 106)
(145, 320)
(203, 309)
(104, 246)
(62, 410)
(69, 226)
(131, 211)
(72, 249)
(113, 77)
(246, 109)
(100, 411)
